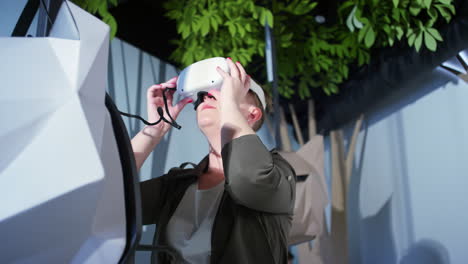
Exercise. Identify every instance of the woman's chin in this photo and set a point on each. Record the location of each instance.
(207, 123)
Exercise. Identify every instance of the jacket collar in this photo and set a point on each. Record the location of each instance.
(202, 166)
(182, 172)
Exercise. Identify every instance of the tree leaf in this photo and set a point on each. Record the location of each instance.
(370, 37)
(418, 41)
(110, 20)
(451, 8)
(400, 32)
(251, 6)
(345, 6)
(395, 3)
(427, 3)
(269, 17)
(444, 12)
(363, 32)
(248, 28)
(333, 88)
(241, 30)
(411, 39)
(232, 29)
(409, 32)
(185, 32)
(432, 12)
(429, 41)
(205, 26)
(214, 24)
(396, 14)
(311, 6)
(196, 24)
(415, 8)
(255, 14)
(386, 29)
(349, 20)
(435, 33)
(447, 2)
(263, 17)
(357, 23)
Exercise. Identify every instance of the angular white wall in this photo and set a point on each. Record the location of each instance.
(408, 193)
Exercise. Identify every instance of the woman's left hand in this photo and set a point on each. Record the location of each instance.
(235, 85)
(233, 122)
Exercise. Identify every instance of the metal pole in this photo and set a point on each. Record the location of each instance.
(270, 56)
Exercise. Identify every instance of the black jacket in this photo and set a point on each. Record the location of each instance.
(254, 216)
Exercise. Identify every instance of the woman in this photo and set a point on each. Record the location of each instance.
(236, 205)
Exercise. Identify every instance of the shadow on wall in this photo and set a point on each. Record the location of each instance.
(377, 236)
(426, 251)
(354, 217)
(413, 91)
(371, 238)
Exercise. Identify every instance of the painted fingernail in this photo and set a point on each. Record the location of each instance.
(229, 58)
(237, 62)
(190, 101)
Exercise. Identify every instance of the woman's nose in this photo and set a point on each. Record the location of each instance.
(209, 95)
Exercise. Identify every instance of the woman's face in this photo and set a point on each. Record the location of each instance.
(208, 115)
(208, 111)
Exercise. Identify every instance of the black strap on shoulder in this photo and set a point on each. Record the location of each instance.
(183, 165)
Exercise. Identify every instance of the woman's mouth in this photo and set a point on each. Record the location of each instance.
(207, 106)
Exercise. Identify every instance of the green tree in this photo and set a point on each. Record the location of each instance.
(309, 54)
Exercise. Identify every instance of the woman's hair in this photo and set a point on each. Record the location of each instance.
(258, 104)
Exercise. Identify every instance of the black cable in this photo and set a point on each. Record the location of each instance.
(25, 19)
(172, 122)
(140, 118)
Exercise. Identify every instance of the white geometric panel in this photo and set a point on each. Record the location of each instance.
(18, 131)
(107, 234)
(94, 46)
(91, 99)
(67, 52)
(65, 25)
(60, 171)
(30, 69)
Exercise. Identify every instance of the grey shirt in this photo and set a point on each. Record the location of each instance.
(189, 229)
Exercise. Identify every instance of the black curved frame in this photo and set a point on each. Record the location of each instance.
(130, 182)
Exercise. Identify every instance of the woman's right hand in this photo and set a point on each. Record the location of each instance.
(154, 97)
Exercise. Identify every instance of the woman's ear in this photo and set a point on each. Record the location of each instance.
(255, 114)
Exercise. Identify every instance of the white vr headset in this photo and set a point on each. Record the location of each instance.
(202, 76)
(196, 81)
